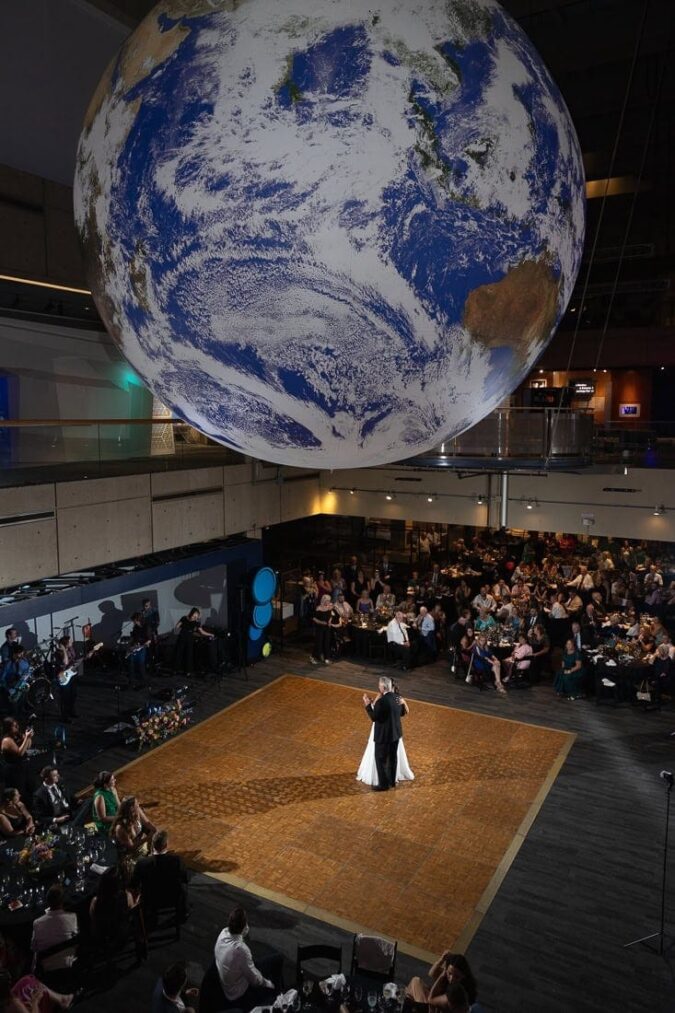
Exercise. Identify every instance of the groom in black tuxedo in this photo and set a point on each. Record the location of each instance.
(386, 715)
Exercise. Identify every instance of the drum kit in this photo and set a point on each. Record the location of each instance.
(36, 685)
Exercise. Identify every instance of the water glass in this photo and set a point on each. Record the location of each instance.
(372, 999)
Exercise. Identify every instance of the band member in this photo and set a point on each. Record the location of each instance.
(138, 651)
(11, 638)
(16, 675)
(150, 619)
(188, 627)
(64, 662)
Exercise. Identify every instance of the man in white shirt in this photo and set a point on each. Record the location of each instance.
(386, 600)
(400, 647)
(427, 627)
(484, 600)
(583, 580)
(55, 926)
(244, 984)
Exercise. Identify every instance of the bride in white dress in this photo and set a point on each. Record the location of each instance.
(367, 772)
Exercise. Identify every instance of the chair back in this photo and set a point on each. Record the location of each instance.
(211, 996)
(316, 952)
(374, 957)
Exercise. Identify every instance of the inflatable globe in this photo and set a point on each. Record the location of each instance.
(330, 233)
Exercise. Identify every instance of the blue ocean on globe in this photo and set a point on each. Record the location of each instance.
(330, 234)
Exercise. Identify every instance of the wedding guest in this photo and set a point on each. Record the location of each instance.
(558, 609)
(398, 639)
(357, 585)
(28, 995)
(53, 927)
(106, 801)
(519, 660)
(483, 662)
(50, 802)
(161, 879)
(110, 911)
(323, 585)
(245, 984)
(364, 604)
(427, 627)
(13, 748)
(484, 600)
(450, 969)
(131, 830)
(386, 600)
(568, 681)
(324, 619)
(15, 820)
(485, 621)
(170, 990)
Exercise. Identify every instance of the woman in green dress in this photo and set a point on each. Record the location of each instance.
(106, 801)
(568, 680)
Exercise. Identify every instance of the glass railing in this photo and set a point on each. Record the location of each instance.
(47, 450)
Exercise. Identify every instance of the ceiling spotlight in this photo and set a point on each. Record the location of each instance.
(658, 510)
(480, 499)
(352, 491)
(530, 504)
(541, 370)
(431, 497)
(389, 496)
(662, 368)
(625, 469)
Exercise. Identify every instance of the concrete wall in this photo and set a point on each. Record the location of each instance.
(621, 506)
(95, 521)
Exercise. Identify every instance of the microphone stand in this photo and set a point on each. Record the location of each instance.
(660, 935)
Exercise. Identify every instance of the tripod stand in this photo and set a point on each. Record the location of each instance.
(660, 947)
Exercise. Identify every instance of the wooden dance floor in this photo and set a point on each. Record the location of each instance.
(263, 795)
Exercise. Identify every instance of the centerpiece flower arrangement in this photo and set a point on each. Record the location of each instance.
(162, 725)
(36, 851)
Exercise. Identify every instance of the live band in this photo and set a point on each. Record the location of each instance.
(52, 669)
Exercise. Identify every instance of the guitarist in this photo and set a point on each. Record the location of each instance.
(16, 675)
(64, 660)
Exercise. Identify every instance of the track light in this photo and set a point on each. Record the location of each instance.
(480, 499)
(431, 497)
(625, 469)
(531, 504)
(658, 510)
(352, 491)
(389, 496)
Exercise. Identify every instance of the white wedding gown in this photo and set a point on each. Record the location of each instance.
(367, 771)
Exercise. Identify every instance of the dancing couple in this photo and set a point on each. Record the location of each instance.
(385, 761)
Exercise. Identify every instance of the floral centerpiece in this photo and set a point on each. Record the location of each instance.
(36, 851)
(162, 724)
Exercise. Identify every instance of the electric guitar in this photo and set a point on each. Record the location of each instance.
(66, 674)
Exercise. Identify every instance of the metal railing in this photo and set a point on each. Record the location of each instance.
(524, 434)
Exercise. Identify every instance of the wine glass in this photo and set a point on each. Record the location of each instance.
(307, 988)
(372, 999)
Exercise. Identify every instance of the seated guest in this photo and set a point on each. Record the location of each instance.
(50, 803)
(161, 878)
(55, 926)
(484, 600)
(466, 647)
(385, 600)
(364, 604)
(663, 670)
(598, 606)
(558, 609)
(28, 995)
(485, 621)
(400, 647)
(485, 662)
(13, 748)
(518, 662)
(131, 830)
(574, 604)
(106, 801)
(15, 820)
(576, 636)
(408, 606)
(324, 586)
(590, 627)
(568, 682)
(110, 910)
(449, 971)
(458, 628)
(170, 990)
(245, 984)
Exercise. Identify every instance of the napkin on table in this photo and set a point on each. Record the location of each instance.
(336, 980)
(285, 999)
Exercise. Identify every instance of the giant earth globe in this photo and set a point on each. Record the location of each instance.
(330, 233)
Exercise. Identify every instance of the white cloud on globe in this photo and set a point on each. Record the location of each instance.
(330, 234)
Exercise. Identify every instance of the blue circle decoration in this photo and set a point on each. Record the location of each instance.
(328, 234)
(262, 615)
(254, 633)
(263, 585)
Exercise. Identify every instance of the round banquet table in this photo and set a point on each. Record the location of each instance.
(30, 885)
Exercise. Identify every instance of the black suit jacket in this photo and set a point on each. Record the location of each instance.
(386, 715)
(160, 879)
(44, 810)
